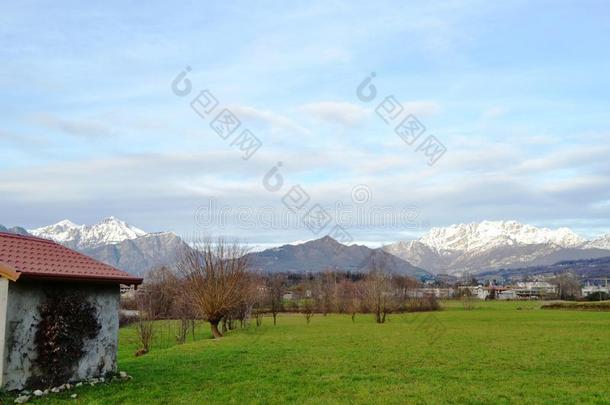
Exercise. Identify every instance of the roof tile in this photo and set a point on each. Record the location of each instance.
(41, 258)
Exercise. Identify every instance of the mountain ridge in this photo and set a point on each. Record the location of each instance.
(326, 253)
(489, 245)
(456, 249)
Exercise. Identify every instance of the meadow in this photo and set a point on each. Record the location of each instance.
(498, 352)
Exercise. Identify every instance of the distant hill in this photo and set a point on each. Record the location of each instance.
(326, 253)
(16, 229)
(138, 256)
(593, 268)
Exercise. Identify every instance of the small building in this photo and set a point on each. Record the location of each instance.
(58, 314)
(596, 286)
(535, 289)
(478, 291)
(507, 295)
(436, 292)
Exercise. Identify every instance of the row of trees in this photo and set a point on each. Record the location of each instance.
(214, 283)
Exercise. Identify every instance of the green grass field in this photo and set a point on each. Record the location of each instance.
(495, 353)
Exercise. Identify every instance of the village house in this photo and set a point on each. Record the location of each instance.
(58, 314)
(596, 286)
(534, 289)
(432, 291)
(478, 291)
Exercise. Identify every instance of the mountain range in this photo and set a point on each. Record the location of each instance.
(326, 253)
(491, 245)
(473, 248)
(114, 242)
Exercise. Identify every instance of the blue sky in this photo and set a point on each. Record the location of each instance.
(516, 92)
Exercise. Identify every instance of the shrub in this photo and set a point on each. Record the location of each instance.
(125, 320)
(598, 296)
(427, 303)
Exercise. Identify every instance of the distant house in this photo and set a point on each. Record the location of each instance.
(507, 295)
(58, 313)
(534, 289)
(432, 291)
(478, 291)
(591, 288)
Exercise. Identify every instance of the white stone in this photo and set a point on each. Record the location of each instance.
(22, 399)
(38, 393)
(73, 396)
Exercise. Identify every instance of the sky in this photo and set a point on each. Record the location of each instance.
(96, 121)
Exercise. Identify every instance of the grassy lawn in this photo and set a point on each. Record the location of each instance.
(499, 352)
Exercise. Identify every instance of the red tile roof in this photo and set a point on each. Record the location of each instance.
(30, 257)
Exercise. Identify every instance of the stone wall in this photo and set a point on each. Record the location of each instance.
(22, 317)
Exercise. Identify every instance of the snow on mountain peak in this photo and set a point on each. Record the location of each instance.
(109, 231)
(490, 234)
(603, 242)
(66, 223)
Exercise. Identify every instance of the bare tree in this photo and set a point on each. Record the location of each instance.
(160, 285)
(275, 288)
(568, 286)
(378, 291)
(216, 276)
(307, 308)
(405, 286)
(327, 291)
(349, 298)
(467, 302)
(145, 323)
(182, 309)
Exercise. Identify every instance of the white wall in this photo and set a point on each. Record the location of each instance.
(3, 308)
(22, 318)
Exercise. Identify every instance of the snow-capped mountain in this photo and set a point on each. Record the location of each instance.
(116, 243)
(603, 242)
(110, 231)
(489, 234)
(491, 245)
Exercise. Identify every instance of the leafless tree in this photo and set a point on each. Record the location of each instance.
(145, 322)
(275, 289)
(350, 298)
(160, 285)
(216, 276)
(307, 308)
(379, 292)
(404, 286)
(568, 286)
(327, 291)
(467, 300)
(182, 309)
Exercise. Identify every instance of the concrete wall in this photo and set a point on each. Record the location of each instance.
(22, 318)
(3, 304)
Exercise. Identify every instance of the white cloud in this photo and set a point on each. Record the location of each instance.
(336, 112)
(276, 121)
(421, 108)
(494, 112)
(82, 128)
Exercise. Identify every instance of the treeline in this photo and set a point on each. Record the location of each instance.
(214, 283)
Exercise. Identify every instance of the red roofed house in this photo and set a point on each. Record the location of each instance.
(49, 296)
